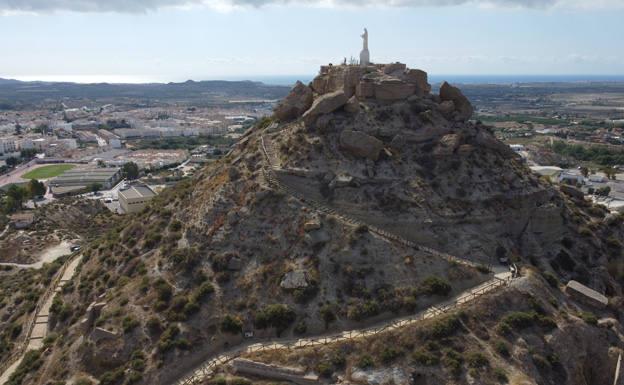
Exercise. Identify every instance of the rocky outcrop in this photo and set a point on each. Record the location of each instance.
(324, 105)
(420, 79)
(295, 104)
(462, 104)
(360, 144)
(297, 279)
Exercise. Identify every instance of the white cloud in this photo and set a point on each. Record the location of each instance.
(8, 7)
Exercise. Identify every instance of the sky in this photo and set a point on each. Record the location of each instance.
(176, 40)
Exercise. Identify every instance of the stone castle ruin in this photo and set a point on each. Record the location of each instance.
(348, 86)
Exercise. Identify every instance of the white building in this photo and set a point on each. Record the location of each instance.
(570, 177)
(135, 198)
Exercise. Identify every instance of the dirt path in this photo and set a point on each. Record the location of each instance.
(50, 254)
(208, 368)
(39, 328)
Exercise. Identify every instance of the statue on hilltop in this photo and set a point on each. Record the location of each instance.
(365, 55)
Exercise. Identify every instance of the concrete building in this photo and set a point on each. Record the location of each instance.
(135, 198)
(7, 146)
(78, 180)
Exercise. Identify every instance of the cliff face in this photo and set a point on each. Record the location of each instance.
(228, 251)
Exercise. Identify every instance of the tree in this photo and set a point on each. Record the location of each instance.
(15, 198)
(18, 129)
(28, 153)
(12, 161)
(131, 170)
(36, 188)
(603, 191)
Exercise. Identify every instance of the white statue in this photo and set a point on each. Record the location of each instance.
(365, 55)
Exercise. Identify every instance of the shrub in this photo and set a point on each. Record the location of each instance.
(327, 313)
(301, 327)
(362, 310)
(324, 369)
(589, 317)
(389, 354)
(426, 358)
(452, 360)
(175, 225)
(501, 348)
(279, 316)
(129, 323)
(519, 320)
(365, 362)
(434, 285)
(501, 375)
(163, 290)
(445, 327)
(231, 324)
(112, 377)
(204, 290)
(154, 325)
(476, 360)
(551, 279)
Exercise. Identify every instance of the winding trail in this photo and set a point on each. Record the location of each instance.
(502, 278)
(38, 323)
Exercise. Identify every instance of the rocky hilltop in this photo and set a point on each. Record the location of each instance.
(367, 197)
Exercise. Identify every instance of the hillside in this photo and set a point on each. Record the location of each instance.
(365, 198)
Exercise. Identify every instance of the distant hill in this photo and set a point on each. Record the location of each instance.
(8, 81)
(16, 93)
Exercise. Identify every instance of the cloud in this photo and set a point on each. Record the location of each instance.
(8, 7)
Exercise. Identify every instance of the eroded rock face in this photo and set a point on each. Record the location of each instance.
(360, 144)
(462, 104)
(324, 105)
(295, 104)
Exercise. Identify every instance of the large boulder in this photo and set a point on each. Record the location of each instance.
(295, 104)
(360, 144)
(325, 104)
(462, 104)
(420, 79)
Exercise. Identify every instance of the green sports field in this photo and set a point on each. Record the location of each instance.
(47, 172)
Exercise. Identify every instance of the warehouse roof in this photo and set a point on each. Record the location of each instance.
(85, 175)
(137, 191)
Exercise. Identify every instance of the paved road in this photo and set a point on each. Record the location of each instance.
(14, 176)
